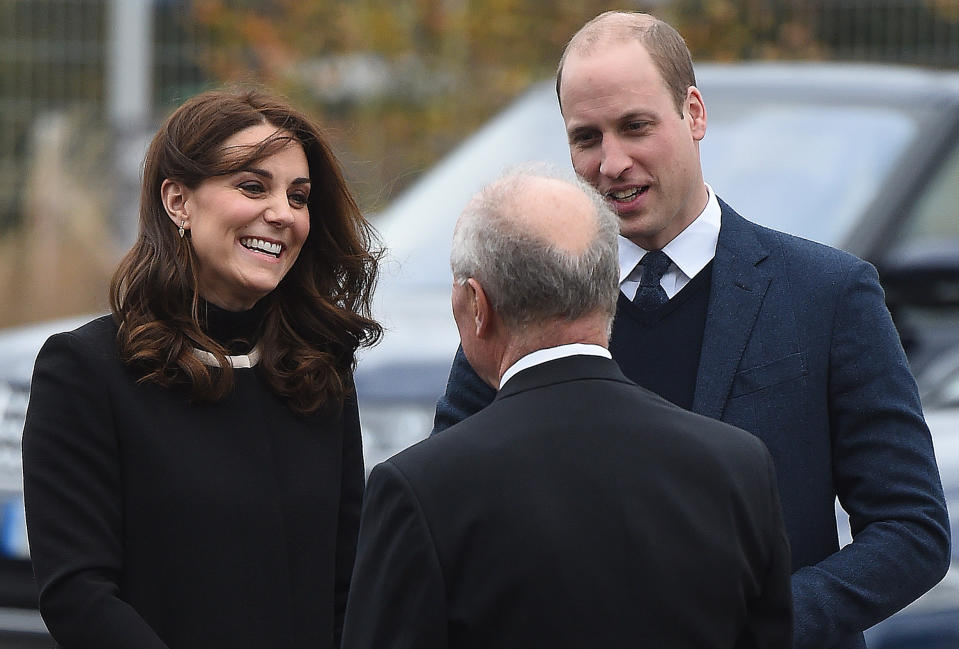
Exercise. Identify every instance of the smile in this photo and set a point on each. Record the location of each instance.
(626, 195)
(259, 245)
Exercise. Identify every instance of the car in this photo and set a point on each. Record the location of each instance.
(861, 157)
(20, 623)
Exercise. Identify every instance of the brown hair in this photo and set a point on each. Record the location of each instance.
(318, 315)
(665, 45)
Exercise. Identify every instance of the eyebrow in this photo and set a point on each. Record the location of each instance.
(580, 130)
(266, 174)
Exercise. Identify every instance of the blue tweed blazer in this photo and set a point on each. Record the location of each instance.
(800, 350)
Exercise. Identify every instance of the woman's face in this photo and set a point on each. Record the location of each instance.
(247, 228)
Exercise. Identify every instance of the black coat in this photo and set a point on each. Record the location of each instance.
(156, 523)
(577, 510)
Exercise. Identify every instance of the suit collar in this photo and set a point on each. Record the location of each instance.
(562, 370)
(550, 354)
(739, 284)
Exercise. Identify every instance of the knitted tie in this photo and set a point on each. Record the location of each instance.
(650, 294)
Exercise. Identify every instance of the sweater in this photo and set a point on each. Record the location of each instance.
(659, 349)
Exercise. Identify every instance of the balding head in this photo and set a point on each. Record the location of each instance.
(664, 44)
(555, 211)
(543, 248)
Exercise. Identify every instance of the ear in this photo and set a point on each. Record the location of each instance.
(695, 109)
(482, 310)
(173, 195)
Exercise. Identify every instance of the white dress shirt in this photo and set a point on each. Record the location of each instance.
(690, 251)
(551, 354)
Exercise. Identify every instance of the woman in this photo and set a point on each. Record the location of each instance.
(193, 468)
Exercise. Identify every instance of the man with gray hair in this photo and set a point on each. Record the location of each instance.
(578, 509)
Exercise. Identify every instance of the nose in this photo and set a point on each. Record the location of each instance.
(615, 159)
(279, 214)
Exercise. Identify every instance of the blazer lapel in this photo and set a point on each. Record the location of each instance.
(736, 294)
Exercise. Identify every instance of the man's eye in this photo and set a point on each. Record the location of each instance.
(637, 126)
(584, 139)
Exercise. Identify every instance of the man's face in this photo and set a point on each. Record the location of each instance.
(628, 140)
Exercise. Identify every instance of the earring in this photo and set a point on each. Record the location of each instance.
(180, 231)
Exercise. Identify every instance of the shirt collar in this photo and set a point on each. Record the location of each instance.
(551, 354)
(692, 248)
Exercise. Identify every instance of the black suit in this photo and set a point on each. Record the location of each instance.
(577, 510)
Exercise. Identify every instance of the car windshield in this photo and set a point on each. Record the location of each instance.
(805, 166)
(807, 169)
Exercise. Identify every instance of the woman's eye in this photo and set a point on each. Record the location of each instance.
(251, 187)
(299, 199)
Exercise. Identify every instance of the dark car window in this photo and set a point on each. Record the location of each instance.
(935, 219)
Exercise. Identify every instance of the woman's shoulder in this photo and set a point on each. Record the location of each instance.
(95, 338)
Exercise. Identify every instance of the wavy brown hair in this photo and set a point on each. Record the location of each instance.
(314, 320)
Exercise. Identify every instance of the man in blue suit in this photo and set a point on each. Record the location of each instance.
(788, 339)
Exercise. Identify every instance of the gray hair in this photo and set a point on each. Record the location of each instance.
(528, 278)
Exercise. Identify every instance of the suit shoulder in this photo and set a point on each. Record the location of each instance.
(716, 438)
(804, 251)
(442, 458)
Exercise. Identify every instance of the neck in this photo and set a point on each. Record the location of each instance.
(590, 330)
(237, 331)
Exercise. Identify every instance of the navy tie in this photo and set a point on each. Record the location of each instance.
(650, 293)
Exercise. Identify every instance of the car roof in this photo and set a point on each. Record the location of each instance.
(885, 83)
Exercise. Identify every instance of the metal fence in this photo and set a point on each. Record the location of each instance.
(54, 59)
(53, 53)
(51, 56)
(918, 32)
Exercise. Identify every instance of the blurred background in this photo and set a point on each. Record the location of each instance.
(398, 83)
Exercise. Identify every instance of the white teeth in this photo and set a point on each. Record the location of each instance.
(626, 194)
(261, 246)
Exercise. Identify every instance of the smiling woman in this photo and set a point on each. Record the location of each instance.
(192, 464)
(247, 227)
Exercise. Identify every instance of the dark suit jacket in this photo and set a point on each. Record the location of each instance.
(800, 350)
(578, 510)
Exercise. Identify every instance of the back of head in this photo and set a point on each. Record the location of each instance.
(542, 246)
(665, 45)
